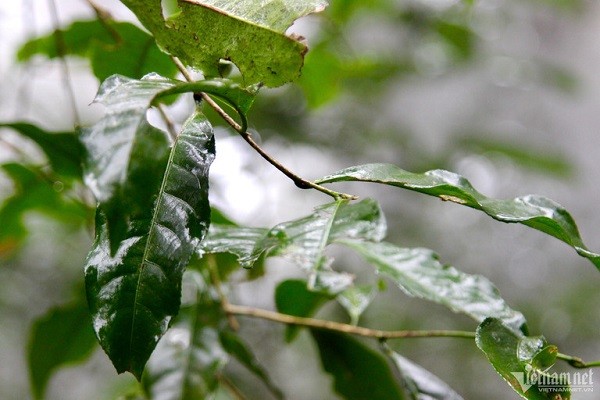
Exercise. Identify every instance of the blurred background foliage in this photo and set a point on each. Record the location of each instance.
(505, 93)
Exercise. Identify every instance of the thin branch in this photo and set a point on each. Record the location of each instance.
(61, 51)
(298, 180)
(168, 122)
(105, 18)
(345, 328)
(231, 388)
(216, 280)
(577, 362)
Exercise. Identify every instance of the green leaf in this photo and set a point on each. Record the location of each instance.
(355, 300)
(117, 144)
(420, 383)
(304, 240)
(61, 337)
(112, 48)
(419, 273)
(502, 345)
(134, 293)
(359, 373)
(189, 357)
(293, 298)
(235, 346)
(63, 149)
(534, 211)
(250, 34)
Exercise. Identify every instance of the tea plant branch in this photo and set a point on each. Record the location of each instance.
(170, 125)
(61, 51)
(216, 280)
(104, 16)
(231, 388)
(577, 362)
(247, 136)
(341, 327)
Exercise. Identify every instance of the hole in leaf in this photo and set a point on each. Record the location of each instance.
(170, 8)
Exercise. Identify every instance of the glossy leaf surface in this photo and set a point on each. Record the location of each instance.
(501, 346)
(61, 337)
(112, 48)
(134, 293)
(420, 383)
(248, 33)
(304, 240)
(534, 211)
(63, 149)
(358, 372)
(125, 153)
(419, 273)
(189, 357)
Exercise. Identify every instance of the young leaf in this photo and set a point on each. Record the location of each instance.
(123, 137)
(419, 273)
(61, 337)
(189, 357)
(534, 211)
(420, 383)
(304, 240)
(293, 298)
(234, 345)
(359, 373)
(501, 346)
(355, 300)
(112, 48)
(134, 293)
(250, 34)
(63, 149)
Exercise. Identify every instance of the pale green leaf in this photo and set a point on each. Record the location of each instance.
(534, 211)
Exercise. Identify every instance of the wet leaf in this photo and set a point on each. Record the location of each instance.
(293, 298)
(420, 383)
(304, 240)
(355, 300)
(534, 211)
(359, 373)
(61, 337)
(116, 144)
(419, 273)
(501, 345)
(63, 149)
(112, 48)
(250, 34)
(189, 357)
(134, 293)
(235, 346)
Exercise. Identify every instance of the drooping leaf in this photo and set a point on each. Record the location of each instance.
(235, 346)
(420, 383)
(116, 144)
(112, 48)
(250, 34)
(419, 273)
(355, 300)
(501, 346)
(134, 293)
(189, 357)
(63, 149)
(304, 240)
(359, 373)
(534, 211)
(293, 298)
(61, 337)
(34, 191)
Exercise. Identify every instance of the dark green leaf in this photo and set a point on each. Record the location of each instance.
(534, 211)
(112, 48)
(63, 149)
(134, 293)
(420, 383)
(419, 273)
(250, 34)
(61, 337)
(359, 373)
(304, 240)
(293, 298)
(234, 345)
(501, 345)
(189, 357)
